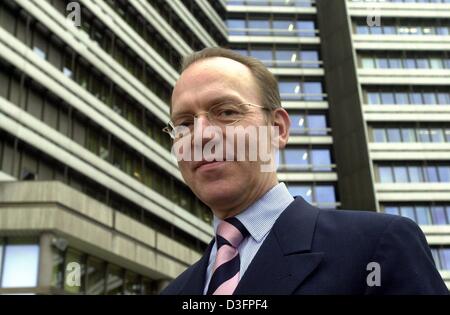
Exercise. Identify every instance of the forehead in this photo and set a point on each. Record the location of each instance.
(210, 79)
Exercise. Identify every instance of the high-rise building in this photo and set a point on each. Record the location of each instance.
(91, 200)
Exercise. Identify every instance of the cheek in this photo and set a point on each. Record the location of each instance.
(185, 169)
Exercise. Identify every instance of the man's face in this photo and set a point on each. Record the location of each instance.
(221, 185)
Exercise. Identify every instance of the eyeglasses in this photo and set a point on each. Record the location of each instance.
(222, 114)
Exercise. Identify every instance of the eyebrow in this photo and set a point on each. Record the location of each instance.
(216, 100)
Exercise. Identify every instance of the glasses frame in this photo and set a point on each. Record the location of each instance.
(169, 128)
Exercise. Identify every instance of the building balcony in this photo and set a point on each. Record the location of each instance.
(398, 9)
(409, 151)
(408, 192)
(404, 76)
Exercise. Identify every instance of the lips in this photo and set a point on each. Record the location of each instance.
(203, 162)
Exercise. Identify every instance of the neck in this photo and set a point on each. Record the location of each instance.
(242, 202)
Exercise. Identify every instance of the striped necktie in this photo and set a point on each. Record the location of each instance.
(225, 273)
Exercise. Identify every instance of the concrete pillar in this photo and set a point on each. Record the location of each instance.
(45, 260)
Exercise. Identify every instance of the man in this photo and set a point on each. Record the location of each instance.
(268, 242)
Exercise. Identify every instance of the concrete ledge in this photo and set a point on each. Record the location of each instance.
(35, 207)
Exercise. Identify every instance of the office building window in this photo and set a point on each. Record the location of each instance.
(441, 256)
(321, 195)
(407, 97)
(95, 276)
(282, 57)
(312, 91)
(426, 28)
(308, 123)
(402, 61)
(385, 174)
(300, 158)
(413, 173)
(20, 262)
(305, 91)
(271, 27)
(114, 280)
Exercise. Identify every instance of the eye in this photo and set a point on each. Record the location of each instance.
(184, 121)
(228, 112)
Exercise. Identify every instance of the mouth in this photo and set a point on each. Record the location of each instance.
(204, 165)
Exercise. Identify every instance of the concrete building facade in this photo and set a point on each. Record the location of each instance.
(91, 200)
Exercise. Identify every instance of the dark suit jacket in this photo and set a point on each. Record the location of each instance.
(315, 251)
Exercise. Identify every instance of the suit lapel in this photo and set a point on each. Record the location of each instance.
(195, 282)
(285, 259)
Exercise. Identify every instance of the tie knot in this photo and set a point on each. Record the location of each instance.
(230, 231)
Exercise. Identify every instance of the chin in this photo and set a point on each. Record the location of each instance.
(217, 193)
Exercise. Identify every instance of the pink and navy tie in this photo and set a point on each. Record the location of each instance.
(225, 274)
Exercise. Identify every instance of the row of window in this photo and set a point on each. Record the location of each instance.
(19, 264)
(25, 163)
(321, 194)
(305, 91)
(441, 256)
(67, 121)
(274, 3)
(305, 159)
(97, 277)
(205, 20)
(413, 173)
(284, 58)
(306, 123)
(386, 29)
(101, 34)
(421, 214)
(407, 134)
(404, 63)
(86, 76)
(402, 97)
(267, 27)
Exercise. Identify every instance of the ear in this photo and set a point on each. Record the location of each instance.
(282, 120)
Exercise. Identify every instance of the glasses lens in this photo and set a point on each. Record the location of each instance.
(227, 113)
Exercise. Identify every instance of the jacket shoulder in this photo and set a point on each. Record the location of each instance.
(176, 285)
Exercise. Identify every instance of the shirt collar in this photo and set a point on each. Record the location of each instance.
(259, 218)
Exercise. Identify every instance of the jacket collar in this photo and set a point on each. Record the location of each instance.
(284, 260)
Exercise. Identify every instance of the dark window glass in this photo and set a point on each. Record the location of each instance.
(114, 280)
(95, 276)
(132, 284)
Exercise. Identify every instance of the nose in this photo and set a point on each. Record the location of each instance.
(200, 124)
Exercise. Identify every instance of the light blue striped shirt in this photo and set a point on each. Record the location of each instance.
(258, 219)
